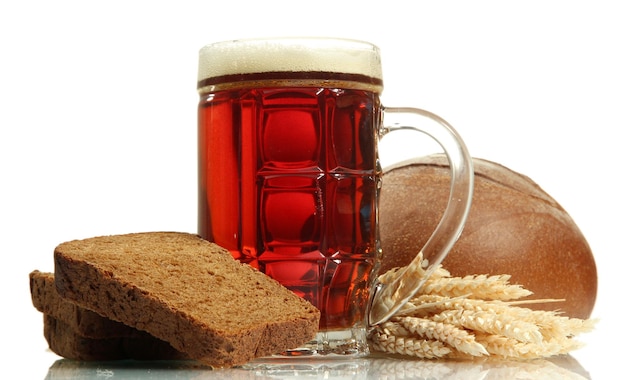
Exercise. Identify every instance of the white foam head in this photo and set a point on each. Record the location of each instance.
(289, 55)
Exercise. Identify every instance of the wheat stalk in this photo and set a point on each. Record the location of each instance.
(488, 322)
(480, 287)
(511, 348)
(472, 316)
(451, 335)
(421, 348)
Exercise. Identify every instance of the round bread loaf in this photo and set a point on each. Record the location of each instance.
(513, 228)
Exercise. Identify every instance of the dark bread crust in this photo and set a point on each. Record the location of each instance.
(186, 291)
(514, 227)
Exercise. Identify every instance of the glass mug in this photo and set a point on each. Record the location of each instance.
(289, 175)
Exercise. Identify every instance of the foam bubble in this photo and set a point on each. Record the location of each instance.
(289, 55)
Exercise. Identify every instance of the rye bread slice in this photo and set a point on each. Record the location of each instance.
(186, 291)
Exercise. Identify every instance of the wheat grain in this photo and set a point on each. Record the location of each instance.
(514, 349)
(473, 316)
(550, 324)
(556, 326)
(457, 338)
(480, 287)
(429, 303)
(499, 324)
(420, 348)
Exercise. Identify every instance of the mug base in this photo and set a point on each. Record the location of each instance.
(327, 345)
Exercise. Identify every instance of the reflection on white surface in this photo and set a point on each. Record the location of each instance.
(384, 368)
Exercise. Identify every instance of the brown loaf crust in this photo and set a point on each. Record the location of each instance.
(186, 291)
(66, 342)
(514, 227)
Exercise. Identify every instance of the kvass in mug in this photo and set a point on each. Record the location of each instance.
(289, 173)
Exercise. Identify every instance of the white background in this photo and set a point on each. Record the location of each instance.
(98, 118)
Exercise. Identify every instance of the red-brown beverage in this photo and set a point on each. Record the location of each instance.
(289, 182)
(289, 176)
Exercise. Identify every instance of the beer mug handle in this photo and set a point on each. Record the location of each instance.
(388, 298)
